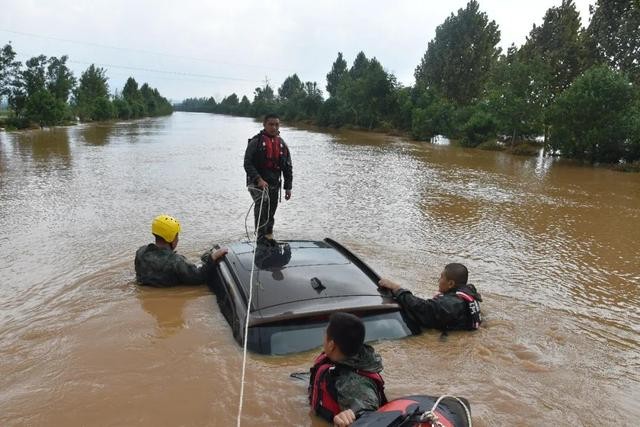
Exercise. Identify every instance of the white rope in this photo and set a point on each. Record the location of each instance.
(246, 322)
(246, 217)
(431, 415)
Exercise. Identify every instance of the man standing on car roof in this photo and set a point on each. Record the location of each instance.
(266, 160)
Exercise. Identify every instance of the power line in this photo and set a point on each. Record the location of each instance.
(175, 73)
(21, 33)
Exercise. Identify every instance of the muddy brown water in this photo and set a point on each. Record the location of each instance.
(554, 247)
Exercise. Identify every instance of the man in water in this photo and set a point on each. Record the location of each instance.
(266, 160)
(158, 265)
(345, 378)
(455, 307)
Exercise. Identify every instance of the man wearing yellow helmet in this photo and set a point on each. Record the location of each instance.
(158, 265)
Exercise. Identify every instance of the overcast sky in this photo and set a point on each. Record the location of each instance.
(193, 48)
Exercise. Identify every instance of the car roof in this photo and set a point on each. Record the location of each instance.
(303, 276)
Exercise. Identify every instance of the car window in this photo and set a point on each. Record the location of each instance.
(299, 336)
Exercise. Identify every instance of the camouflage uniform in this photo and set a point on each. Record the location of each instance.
(352, 390)
(444, 312)
(162, 267)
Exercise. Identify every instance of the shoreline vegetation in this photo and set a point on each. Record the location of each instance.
(44, 92)
(577, 87)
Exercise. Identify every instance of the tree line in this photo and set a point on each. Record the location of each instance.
(43, 91)
(576, 86)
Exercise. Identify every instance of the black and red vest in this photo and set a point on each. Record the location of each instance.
(322, 391)
(473, 307)
(274, 150)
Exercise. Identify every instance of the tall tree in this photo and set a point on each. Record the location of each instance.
(60, 79)
(334, 77)
(28, 82)
(516, 95)
(590, 120)
(613, 35)
(92, 95)
(263, 100)
(130, 92)
(38, 94)
(558, 44)
(291, 88)
(458, 60)
(9, 68)
(360, 66)
(312, 100)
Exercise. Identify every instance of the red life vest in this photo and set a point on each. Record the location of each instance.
(322, 392)
(274, 150)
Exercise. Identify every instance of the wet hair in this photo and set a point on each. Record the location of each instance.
(456, 272)
(270, 116)
(347, 331)
(160, 239)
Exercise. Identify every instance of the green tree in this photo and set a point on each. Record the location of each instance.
(132, 95)
(590, 120)
(614, 35)
(31, 100)
(458, 60)
(312, 100)
(122, 108)
(149, 99)
(291, 88)
(229, 105)
(290, 96)
(9, 68)
(244, 108)
(433, 115)
(60, 79)
(30, 81)
(334, 77)
(366, 93)
(632, 153)
(264, 100)
(480, 127)
(43, 108)
(130, 91)
(516, 95)
(558, 45)
(92, 95)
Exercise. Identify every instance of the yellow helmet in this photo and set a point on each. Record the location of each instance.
(166, 227)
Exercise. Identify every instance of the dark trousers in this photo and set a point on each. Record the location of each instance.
(269, 204)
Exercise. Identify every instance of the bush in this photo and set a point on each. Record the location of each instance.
(480, 128)
(590, 119)
(491, 145)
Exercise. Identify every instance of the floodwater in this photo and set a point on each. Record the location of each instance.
(554, 248)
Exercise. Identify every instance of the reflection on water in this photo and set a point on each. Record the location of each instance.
(166, 306)
(98, 134)
(552, 246)
(47, 148)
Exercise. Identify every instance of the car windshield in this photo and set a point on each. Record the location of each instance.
(284, 338)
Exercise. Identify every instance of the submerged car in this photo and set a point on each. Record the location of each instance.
(297, 284)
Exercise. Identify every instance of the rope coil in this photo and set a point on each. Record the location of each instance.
(432, 418)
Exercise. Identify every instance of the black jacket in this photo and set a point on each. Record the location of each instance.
(445, 312)
(255, 157)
